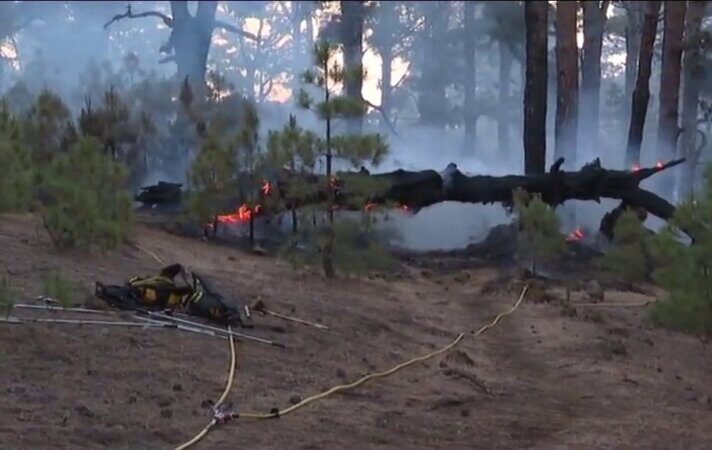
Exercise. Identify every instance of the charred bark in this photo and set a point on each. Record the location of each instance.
(641, 94)
(470, 115)
(432, 101)
(505, 70)
(566, 82)
(635, 12)
(189, 42)
(386, 85)
(692, 81)
(416, 190)
(535, 91)
(594, 20)
(351, 30)
(668, 128)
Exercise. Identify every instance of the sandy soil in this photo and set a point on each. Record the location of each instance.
(547, 377)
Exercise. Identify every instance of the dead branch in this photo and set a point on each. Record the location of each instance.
(383, 114)
(130, 15)
(219, 24)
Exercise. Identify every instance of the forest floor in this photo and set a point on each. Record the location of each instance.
(548, 376)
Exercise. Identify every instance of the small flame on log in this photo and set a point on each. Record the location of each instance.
(659, 165)
(334, 183)
(635, 168)
(241, 215)
(369, 207)
(576, 235)
(403, 207)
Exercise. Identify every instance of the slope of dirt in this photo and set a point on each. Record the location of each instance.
(546, 377)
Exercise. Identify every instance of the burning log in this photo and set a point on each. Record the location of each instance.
(419, 189)
(415, 190)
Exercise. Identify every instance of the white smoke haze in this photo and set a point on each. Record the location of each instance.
(67, 40)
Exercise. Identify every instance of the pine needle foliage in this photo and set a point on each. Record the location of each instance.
(628, 258)
(539, 238)
(324, 77)
(82, 197)
(16, 163)
(685, 270)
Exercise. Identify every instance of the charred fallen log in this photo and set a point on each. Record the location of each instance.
(416, 190)
(592, 182)
(160, 194)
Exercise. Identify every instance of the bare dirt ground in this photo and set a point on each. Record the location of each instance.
(546, 377)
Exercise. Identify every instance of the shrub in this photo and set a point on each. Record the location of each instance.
(213, 182)
(7, 297)
(16, 180)
(82, 198)
(538, 236)
(357, 248)
(627, 259)
(685, 271)
(56, 287)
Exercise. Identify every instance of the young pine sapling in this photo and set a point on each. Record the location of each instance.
(685, 270)
(628, 259)
(538, 238)
(325, 76)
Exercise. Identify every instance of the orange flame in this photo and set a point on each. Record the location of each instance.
(659, 165)
(576, 235)
(266, 187)
(403, 207)
(635, 168)
(369, 207)
(241, 215)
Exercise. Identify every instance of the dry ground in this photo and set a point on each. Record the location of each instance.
(541, 379)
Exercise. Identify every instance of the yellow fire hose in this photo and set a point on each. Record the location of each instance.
(343, 387)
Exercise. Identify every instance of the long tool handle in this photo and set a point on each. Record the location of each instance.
(215, 329)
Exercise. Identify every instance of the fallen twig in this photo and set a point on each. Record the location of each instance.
(645, 303)
(260, 307)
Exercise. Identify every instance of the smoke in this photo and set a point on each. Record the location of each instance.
(66, 47)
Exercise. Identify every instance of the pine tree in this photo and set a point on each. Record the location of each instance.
(296, 149)
(249, 152)
(82, 196)
(354, 148)
(212, 178)
(685, 270)
(15, 160)
(627, 259)
(46, 128)
(539, 239)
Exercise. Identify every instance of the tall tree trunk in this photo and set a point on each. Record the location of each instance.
(470, 115)
(190, 39)
(566, 83)
(505, 70)
(692, 81)
(641, 94)
(386, 82)
(594, 20)
(536, 18)
(298, 52)
(352, 17)
(674, 26)
(432, 102)
(633, 32)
